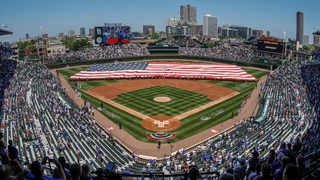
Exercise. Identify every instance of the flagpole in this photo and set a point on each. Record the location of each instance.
(42, 45)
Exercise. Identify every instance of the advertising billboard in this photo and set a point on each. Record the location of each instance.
(272, 47)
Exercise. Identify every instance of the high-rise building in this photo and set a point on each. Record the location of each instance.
(148, 29)
(305, 39)
(171, 22)
(91, 31)
(210, 26)
(300, 26)
(316, 38)
(71, 33)
(82, 31)
(219, 31)
(243, 31)
(267, 33)
(27, 36)
(197, 29)
(226, 31)
(257, 32)
(45, 36)
(61, 35)
(188, 15)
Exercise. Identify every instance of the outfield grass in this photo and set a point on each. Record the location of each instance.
(181, 100)
(190, 125)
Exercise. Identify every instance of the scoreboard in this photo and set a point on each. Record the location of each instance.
(272, 47)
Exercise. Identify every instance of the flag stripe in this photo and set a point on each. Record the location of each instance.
(190, 70)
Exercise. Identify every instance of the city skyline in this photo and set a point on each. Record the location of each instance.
(55, 19)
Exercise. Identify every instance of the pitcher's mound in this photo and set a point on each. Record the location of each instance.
(161, 123)
(162, 99)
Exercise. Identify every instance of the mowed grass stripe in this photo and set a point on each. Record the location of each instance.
(142, 100)
(133, 124)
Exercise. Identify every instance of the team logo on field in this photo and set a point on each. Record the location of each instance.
(160, 136)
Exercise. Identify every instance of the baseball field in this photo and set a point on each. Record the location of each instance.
(183, 107)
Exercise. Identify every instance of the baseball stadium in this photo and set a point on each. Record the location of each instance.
(122, 109)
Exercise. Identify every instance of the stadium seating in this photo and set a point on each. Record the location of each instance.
(41, 125)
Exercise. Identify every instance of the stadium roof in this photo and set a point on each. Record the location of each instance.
(5, 32)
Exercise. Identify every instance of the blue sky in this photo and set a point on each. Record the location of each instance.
(63, 15)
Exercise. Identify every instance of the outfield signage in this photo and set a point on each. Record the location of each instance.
(263, 115)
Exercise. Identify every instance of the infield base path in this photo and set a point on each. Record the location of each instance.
(216, 93)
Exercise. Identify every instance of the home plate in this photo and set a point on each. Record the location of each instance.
(214, 131)
(110, 128)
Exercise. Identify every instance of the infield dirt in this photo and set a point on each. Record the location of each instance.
(110, 91)
(216, 93)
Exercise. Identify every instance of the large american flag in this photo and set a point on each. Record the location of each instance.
(165, 70)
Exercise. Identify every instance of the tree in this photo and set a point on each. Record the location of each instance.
(210, 45)
(79, 45)
(33, 56)
(155, 36)
(306, 48)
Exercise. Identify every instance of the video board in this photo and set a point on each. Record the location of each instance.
(273, 47)
(111, 32)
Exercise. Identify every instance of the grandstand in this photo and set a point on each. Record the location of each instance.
(5, 31)
(38, 115)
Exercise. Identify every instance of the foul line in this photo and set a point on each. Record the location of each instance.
(179, 117)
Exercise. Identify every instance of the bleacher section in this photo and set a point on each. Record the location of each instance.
(63, 132)
(40, 125)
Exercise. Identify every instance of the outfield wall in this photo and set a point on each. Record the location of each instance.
(75, 62)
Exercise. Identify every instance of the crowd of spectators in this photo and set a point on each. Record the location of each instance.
(268, 57)
(179, 41)
(28, 93)
(223, 51)
(111, 51)
(4, 52)
(316, 54)
(272, 150)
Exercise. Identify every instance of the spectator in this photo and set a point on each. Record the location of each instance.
(3, 153)
(5, 171)
(265, 172)
(75, 171)
(37, 169)
(284, 162)
(300, 164)
(56, 171)
(240, 171)
(272, 158)
(13, 151)
(114, 175)
(256, 173)
(252, 162)
(291, 172)
(229, 170)
(277, 164)
(194, 173)
(296, 146)
(283, 149)
(85, 172)
(226, 176)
